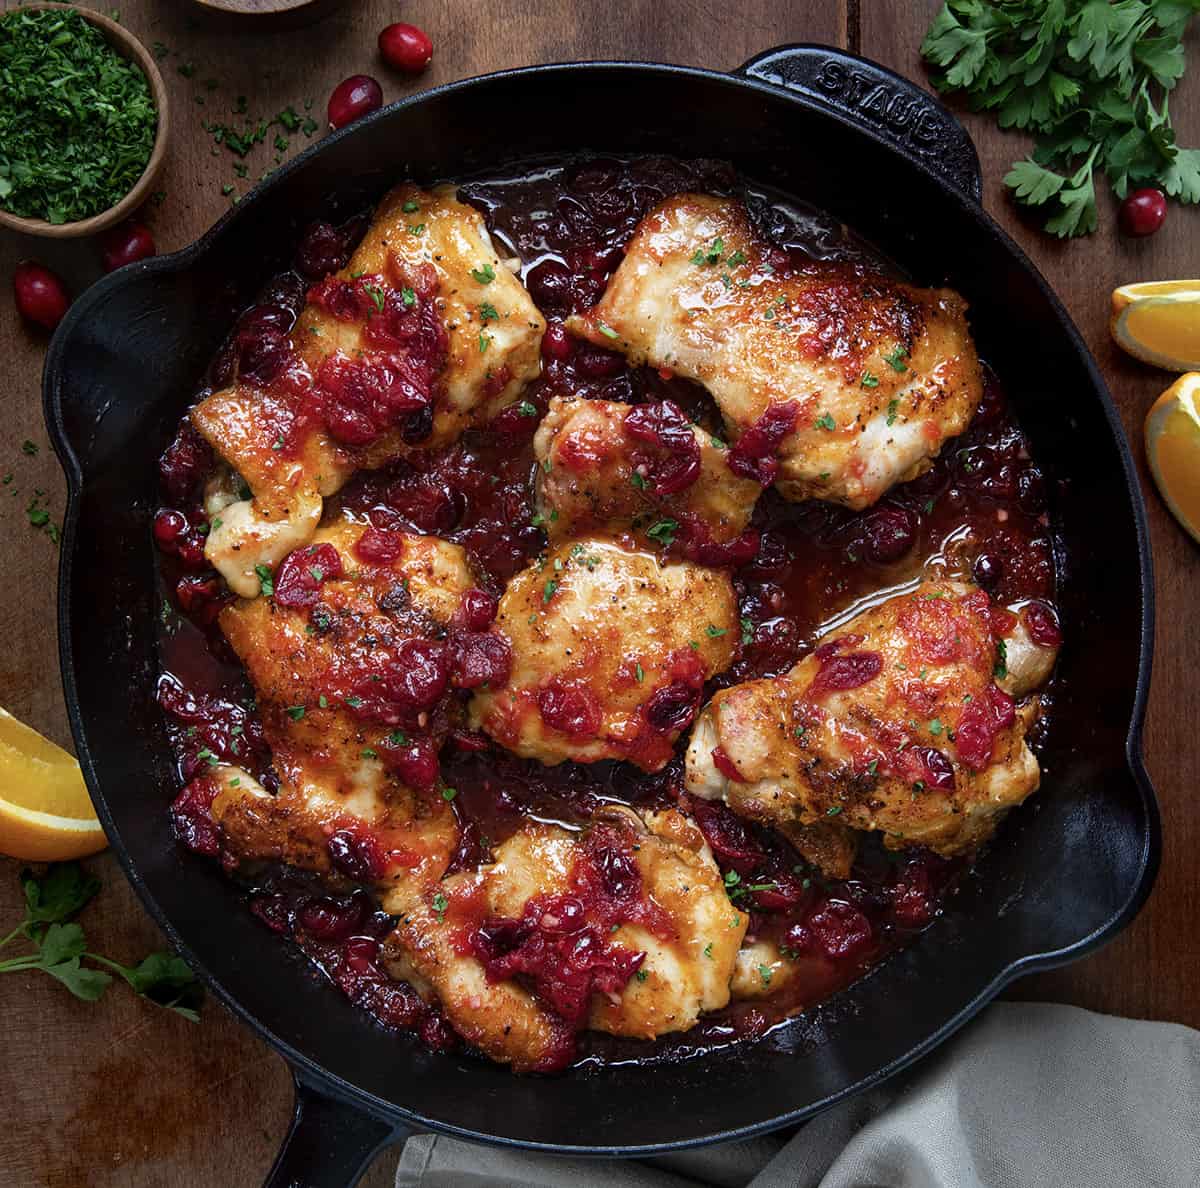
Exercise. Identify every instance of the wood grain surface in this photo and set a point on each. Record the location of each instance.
(120, 1094)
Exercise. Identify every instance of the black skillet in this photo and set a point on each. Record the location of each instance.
(1067, 870)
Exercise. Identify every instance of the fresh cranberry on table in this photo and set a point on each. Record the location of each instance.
(40, 294)
(405, 47)
(352, 98)
(126, 244)
(1142, 213)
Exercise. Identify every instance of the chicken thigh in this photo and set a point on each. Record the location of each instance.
(423, 333)
(835, 383)
(640, 469)
(351, 657)
(895, 723)
(611, 649)
(626, 928)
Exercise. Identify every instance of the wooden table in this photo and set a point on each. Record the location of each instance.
(122, 1094)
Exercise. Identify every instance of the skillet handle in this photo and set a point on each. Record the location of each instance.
(883, 102)
(330, 1142)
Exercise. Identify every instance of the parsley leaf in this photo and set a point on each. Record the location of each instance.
(1089, 79)
(60, 946)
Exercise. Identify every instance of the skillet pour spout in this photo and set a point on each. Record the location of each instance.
(1067, 871)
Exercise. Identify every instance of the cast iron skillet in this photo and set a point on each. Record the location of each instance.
(1067, 870)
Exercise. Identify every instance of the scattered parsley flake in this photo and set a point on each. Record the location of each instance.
(484, 275)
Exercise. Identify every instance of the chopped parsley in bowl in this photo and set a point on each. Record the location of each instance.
(82, 120)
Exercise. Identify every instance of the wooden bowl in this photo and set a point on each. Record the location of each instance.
(268, 14)
(129, 47)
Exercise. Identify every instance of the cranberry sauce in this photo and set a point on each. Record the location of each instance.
(979, 512)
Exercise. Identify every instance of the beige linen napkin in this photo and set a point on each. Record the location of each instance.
(1030, 1094)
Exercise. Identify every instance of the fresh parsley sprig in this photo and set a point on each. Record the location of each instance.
(1089, 78)
(60, 946)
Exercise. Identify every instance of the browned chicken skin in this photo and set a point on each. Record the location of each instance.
(834, 384)
(480, 332)
(895, 723)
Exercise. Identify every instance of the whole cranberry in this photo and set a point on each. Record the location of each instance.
(352, 98)
(556, 342)
(988, 571)
(405, 47)
(1142, 213)
(550, 286)
(126, 244)
(169, 527)
(890, 532)
(322, 250)
(40, 294)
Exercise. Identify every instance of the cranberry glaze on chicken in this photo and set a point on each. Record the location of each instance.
(596, 628)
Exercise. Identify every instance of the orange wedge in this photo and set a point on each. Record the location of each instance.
(1128, 293)
(46, 814)
(1159, 322)
(1173, 449)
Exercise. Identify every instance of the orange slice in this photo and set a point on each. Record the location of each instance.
(1159, 323)
(1173, 449)
(46, 814)
(1128, 293)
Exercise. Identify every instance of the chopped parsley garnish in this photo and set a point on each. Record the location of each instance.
(607, 331)
(548, 590)
(708, 951)
(409, 297)
(664, 532)
(416, 229)
(376, 295)
(449, 793)
(295, 712)
(869, 381)
(893, 407)
(29, 447)
(526, 409)
(640, 673)
(935, 726)
(485, 341)
(714, 632)
(266, 582)
(747, 632)
(735, 258)
(638, 480)
(440, 904)
(354, 702)
(764, 972)
(1000, 671)
(896, 359)
(825, 421)
(711, 255)
(484, 275)
(323, 701)
(641, 975)
(833, 810)
(873, 767)
(410, 207)
(368, 753)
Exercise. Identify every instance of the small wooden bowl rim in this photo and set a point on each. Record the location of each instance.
(130, 47)
(267, 8)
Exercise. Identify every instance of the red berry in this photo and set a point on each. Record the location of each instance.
(1142, 213)
(41, 296)
(352, 98)
(125, 244)
(405, 47)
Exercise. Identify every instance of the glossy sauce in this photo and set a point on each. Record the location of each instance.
(979, 513)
